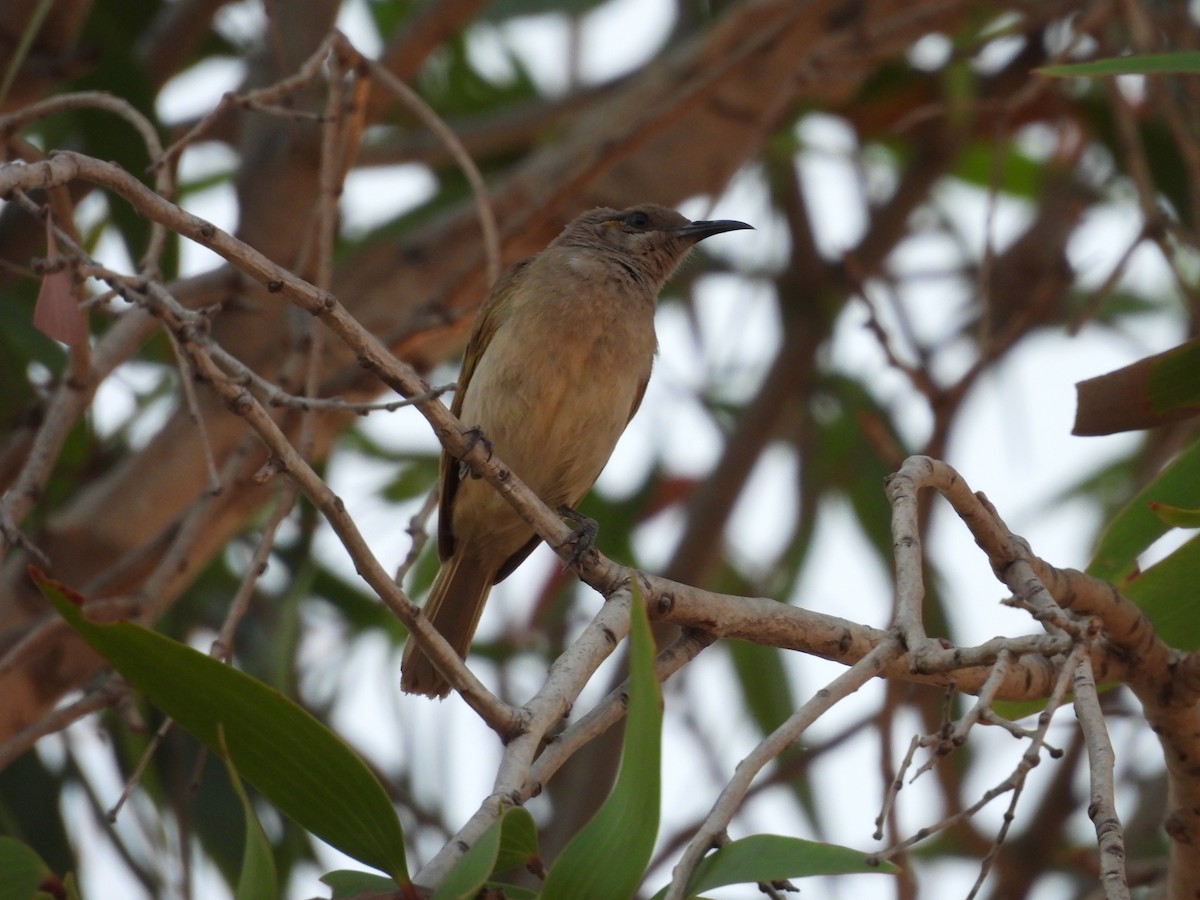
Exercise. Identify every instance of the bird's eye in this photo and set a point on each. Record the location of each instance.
(637, 219)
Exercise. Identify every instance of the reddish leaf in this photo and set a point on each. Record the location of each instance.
(56, 313)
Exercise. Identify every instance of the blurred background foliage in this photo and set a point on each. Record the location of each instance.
(975, 191)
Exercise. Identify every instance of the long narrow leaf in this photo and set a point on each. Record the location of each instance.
(775, 857)
(1179, 63)
(608, 857)
(493, 852)
(349, 883)
(296, 762)
(257, 877)
(1166, 592)
(1137, 526)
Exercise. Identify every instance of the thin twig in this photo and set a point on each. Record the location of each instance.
(222, 645)
(1102, 808)
(259, 98)
(417, 531)
(1014, 781)
(59, 718)
(768, 749)
(435, 123)
(196, 417)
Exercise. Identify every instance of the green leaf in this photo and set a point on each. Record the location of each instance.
(413, 479)
(852, 426)
(348, 883)
(1180, 63)
(1019, 175)
(256, 876)
(294, 760)
(471, 872)
(774, 857)
(31, 810)
(33, 25)
(515, 892)
(1175, 379)
(500, 10)
(608, 857)
(361, 611)
(1175, 516)
(518, 841)
(1137, 526)
(488, 855)
(766, 691)
(1154, 391)
(1166, 592)
(23, 870)
(1015, 710)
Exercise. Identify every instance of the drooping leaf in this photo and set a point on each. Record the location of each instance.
(1137, 526)
(505, 844)
(1166, 592)
(608, 857)
(413, 478)
(294, 760)
(348, 883)
(256, 876)
(774, 857)
(22, 869)
(56, 314)
(766, 690)
(518, 841)
(854, 426)
(360, 611)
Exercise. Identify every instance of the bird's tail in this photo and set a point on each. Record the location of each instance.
(454, 606)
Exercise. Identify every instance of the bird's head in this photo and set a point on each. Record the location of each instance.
(649, 240)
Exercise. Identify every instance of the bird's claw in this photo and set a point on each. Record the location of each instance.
(582, 536)
(475, 437)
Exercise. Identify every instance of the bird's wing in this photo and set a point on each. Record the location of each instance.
(637, 401)
(491, 315)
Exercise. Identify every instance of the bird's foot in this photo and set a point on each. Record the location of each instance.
(582, 537)
(475, 437)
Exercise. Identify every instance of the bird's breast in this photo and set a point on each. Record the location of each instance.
(559, 379)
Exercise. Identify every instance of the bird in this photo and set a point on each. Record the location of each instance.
(555, 367)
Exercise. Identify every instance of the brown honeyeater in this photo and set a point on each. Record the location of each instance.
(555, 367)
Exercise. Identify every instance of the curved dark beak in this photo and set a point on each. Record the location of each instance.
(703, 229)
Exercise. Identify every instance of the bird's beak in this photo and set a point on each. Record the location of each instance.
(703, 229)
